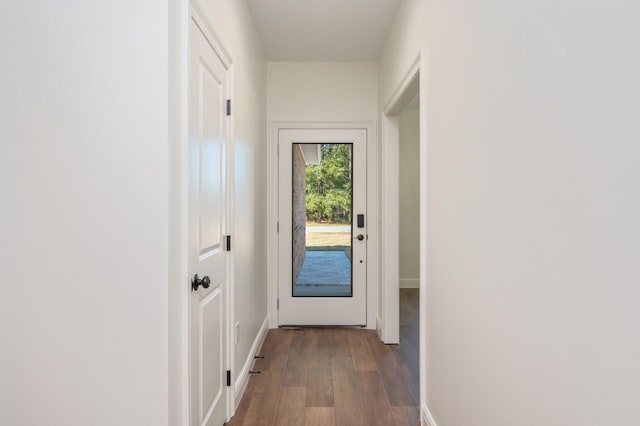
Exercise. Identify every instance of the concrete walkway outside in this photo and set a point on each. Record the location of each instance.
(324, 273)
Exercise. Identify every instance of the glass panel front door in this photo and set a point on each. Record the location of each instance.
(322, 227)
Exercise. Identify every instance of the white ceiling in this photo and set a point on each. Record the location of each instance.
(323, 30)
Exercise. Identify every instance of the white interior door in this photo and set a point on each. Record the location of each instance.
(322, 237)
(207, 226)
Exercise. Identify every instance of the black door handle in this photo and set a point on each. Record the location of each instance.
(197, 282)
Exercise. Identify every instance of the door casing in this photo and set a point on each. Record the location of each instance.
(315, 310)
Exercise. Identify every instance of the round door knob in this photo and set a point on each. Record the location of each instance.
(197, 282)
(360, 237)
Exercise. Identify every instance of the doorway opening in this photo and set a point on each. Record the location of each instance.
(409, 242)
(411, 90)
(409, 196)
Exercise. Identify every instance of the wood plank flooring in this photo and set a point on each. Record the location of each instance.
(341, 377)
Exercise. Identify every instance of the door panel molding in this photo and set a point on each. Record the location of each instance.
(207, 166)
(197, 16)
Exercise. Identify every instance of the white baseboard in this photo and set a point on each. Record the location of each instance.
(409, 282)
(426, 417)
(243, 378)
(379, 327)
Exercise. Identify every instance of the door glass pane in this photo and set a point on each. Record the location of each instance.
(321, 211)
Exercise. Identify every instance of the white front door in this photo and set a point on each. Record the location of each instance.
(207, 227)
(322, 237)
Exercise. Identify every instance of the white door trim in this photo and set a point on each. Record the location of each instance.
(372, 210)
(389, 319)
(414, 82)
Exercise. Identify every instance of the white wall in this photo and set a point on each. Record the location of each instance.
(233, 24)
(409, 198)
(533, 208)
(322, 91)
(84, 172)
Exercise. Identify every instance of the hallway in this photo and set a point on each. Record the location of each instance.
(525, 162)
(321, 376)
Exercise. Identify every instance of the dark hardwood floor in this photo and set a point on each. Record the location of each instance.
(323, 376)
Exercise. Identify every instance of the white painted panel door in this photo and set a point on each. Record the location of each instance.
(207, 225)
(324, 283)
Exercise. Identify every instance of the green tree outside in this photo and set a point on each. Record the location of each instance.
(329, 187)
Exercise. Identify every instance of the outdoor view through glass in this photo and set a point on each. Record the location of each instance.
(322, 216)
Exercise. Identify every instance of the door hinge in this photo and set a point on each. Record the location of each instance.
(277, 227)
(278, 304)
(278, 150)
(227, 243)
(228, 377)
(228, 106)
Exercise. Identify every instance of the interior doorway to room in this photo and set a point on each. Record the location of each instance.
(402, 201)
(409, 243)
(322, 235)
(409, 94)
